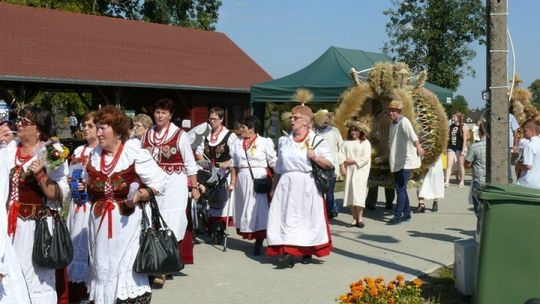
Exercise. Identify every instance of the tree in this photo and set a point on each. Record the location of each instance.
(535, 93)
(435, 35)
(459, 104)
(201, 14)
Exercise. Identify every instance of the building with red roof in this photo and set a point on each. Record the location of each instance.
(132, 63)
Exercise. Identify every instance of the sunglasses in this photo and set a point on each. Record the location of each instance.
(25, 122)
(295, 117)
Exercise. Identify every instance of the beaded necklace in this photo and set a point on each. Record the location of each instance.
(107, 169)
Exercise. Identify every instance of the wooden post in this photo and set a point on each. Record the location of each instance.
(497, 84)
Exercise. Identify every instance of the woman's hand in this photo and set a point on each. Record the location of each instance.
(141, 195)
(310, 154)
(37, 166)
(231, 186)
(350, 162)
(343, 171)
(195, 193)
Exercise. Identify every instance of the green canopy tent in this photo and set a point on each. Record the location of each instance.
(327, 78)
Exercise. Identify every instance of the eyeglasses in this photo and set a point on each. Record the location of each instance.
(25, 122)
(295, 117)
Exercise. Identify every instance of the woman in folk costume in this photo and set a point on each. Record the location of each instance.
(118, 171)
(79, 211)
(251, 208)
(170, 147)
(216, 148)
(355, 159)
(13, 289)
(32, 182)
(297, 221)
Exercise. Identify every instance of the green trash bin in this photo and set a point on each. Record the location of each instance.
(508, 245)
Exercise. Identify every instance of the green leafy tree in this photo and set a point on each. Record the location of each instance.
(535, 93)
(436, 35)
(201, 14)
(459, 104)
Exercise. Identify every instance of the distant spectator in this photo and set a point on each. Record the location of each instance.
(332, 136)
(141, 123)
(476, 158)
(530, 169)
(457, 148)
(476, 134)
(513, 145)
(73, 124)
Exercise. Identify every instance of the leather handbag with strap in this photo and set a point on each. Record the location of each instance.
(323, 177)
(158, 252)
(51, 251)
(260, 185)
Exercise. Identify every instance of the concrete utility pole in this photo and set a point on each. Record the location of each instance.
(497, 87)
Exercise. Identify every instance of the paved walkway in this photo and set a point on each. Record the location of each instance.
(420, 246)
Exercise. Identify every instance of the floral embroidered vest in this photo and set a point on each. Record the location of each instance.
(103, 188)
(220, 152)
(168, 156)
(30, 195)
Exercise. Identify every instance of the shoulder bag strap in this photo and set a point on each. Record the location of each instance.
(247, 159)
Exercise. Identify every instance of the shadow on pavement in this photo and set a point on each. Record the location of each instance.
(434, 236)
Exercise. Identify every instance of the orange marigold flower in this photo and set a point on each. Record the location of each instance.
(401, 284)
(373, 292)
(399, 277)
(379, 279)
(417, 282)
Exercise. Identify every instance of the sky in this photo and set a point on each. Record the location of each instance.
(283, 36)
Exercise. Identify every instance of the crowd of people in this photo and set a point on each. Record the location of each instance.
(265, 192)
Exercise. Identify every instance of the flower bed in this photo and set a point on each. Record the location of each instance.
(376, 291)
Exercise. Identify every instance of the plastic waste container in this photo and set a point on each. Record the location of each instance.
(508, 242)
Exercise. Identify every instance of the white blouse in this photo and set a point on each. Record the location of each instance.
(292, 156)
(261, 154)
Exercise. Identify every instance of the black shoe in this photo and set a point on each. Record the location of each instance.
(306, 259)
(258, 247)
(360, 224)
(435, 207)
(371, 207)
(406, 218)
(388, 206)
(420, 209)
(394, 221)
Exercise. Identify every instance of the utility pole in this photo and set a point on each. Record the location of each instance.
(497, 88)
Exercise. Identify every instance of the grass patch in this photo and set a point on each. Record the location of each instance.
(439, 286)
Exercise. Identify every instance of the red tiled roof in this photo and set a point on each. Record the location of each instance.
(43, 45)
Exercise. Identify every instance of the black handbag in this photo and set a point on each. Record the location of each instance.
(158, 248)
(323, 177)
(52, 251)
(260, 185)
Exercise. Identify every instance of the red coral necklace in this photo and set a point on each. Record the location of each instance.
(301, 139)
(107, 169)
(246, 143)
(159, 141)
(20, 160)
(213, 138)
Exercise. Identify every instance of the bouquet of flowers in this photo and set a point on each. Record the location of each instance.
(54, 154)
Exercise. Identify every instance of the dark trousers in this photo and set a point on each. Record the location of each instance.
(330, 202)
(401, 177)
(373, 192)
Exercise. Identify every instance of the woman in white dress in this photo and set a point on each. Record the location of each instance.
(13, 289)
(297, 221)
(118, 170)
(170, 147)
(355, 164)
(79, 212)
(216, 148)
(432, 187)
(30, 184)
(251, 208)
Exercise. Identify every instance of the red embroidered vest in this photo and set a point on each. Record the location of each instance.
(119, 181)
(30, 195)
(168, 156)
